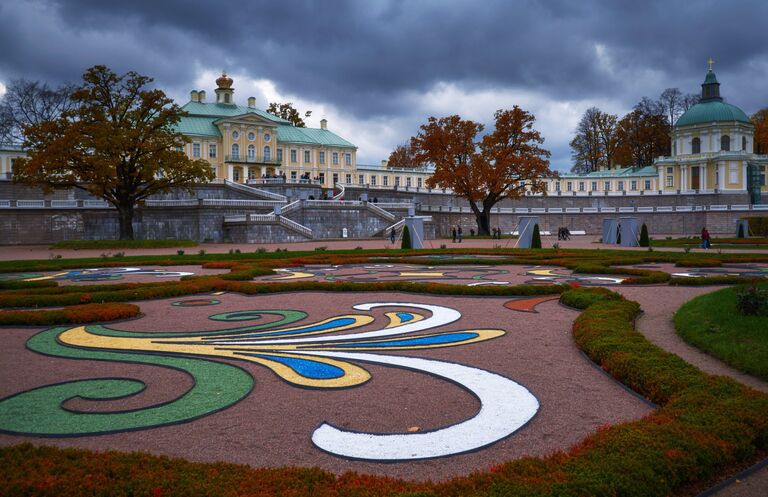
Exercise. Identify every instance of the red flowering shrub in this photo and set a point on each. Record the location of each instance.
(87, 313)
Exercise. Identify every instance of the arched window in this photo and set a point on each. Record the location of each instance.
(696, 146)
(744, 143)
(251, 152)
(267, 153)
(235, 151)
(725, 143)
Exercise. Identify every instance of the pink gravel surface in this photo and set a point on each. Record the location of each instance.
(272, 426)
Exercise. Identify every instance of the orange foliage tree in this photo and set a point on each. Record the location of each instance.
(503, 164)
(403, 157)
(641, 137)
(760, 120)
(117, 142)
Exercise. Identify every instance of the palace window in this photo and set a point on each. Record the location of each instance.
(696, 146)
(670, 170)
(251, 136)
(236, 175)
(335, 178)
(267, 137)
(361, 179)
(321, 176)
(212, 150)
(397, 180)
(621, 186)
(670, 181)
(251, 173)
(733, 174)
(408, 182)
(235, 135)
(251, 152)
(235, 151)
(607, 186)
(744, 143)
(322, 157)
(306, 157)
(349, 179)
(385, 180)
(195, 150)
(418, 182)
(581, 186)
(725, 143)
(594, 186)
(293, 156)
(280, 155)
(348, 159)
(293, 175)
(335, 158)
(373, 180)
(647, 184)
(557, 186)
(267, 153)
(633, 185)
(569, 186)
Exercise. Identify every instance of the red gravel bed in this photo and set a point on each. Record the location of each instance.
(272, 426)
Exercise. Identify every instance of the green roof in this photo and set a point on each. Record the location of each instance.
(710, 78)
(624, 172)
(198, 126)
(227, 110)
(202, 118)
(712, 111)
(292, 134)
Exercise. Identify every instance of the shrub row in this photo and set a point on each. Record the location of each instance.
(18, 284)
(705, 425)
(87, 313)
(119, 244)
(725, 279)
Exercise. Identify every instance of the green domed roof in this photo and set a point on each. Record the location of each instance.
(712, 111)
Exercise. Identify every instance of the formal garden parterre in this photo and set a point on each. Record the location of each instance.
(383, 369)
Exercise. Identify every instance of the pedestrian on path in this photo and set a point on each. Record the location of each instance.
(458, 234)
(453, 234)
(392, 235)
(705, 243)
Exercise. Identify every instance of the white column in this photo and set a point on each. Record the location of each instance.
(743, 176)
(703, 177)
(230, 172)
(683, 178)
(661, 178)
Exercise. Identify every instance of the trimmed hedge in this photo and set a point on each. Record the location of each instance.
(706, 426)
(87, 313)
(714, 280)
(20, 284)
(121, 244)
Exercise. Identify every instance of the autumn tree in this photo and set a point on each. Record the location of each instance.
(642, 137)
(30, 102)
(503, 164)
(403, 157)
(289, 113)
(117, 142)
(594, 144)
(760, 120)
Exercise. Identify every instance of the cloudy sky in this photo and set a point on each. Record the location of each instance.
(377, 69)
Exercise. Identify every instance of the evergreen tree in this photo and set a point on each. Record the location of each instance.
(406, 238)
(645, 241)
(536, 239)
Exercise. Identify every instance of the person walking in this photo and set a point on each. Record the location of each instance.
(705, 243)
(392, 235)
(458, 234)
(453, 234)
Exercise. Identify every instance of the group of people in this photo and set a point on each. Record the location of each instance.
(457, 234)
(563, 233)
(496, 233)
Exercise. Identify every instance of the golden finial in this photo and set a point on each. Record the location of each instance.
(711, 63)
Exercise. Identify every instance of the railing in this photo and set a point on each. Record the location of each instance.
(394, 205)
(97, 204)
(251, 159)
(295, 205)
(5, 204)
(605, 210)
(280, 180)
(379, 211)
(386, 231)
(293, 225)
(332, 203)
(187, 202)
(262, 218)
(339, 195)
(226, 202)
(64, 203)
(257, 191)
(30, 204)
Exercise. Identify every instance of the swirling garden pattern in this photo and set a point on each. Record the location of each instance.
(322, 354)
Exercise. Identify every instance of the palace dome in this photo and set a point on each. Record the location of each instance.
(712, 111)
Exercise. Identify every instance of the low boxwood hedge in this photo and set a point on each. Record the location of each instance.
(86, 313)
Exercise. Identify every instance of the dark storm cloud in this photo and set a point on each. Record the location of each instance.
(364, 57)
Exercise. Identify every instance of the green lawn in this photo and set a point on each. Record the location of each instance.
(712, 323)
(695, 242)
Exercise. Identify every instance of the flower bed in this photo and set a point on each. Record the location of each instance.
(86, 313)
(705, 426)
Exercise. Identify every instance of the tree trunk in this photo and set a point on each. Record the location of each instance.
(483, 219)
(125, 215)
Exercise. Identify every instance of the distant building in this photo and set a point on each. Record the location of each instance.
(9, 154)
(712, 149)
(246, 143)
